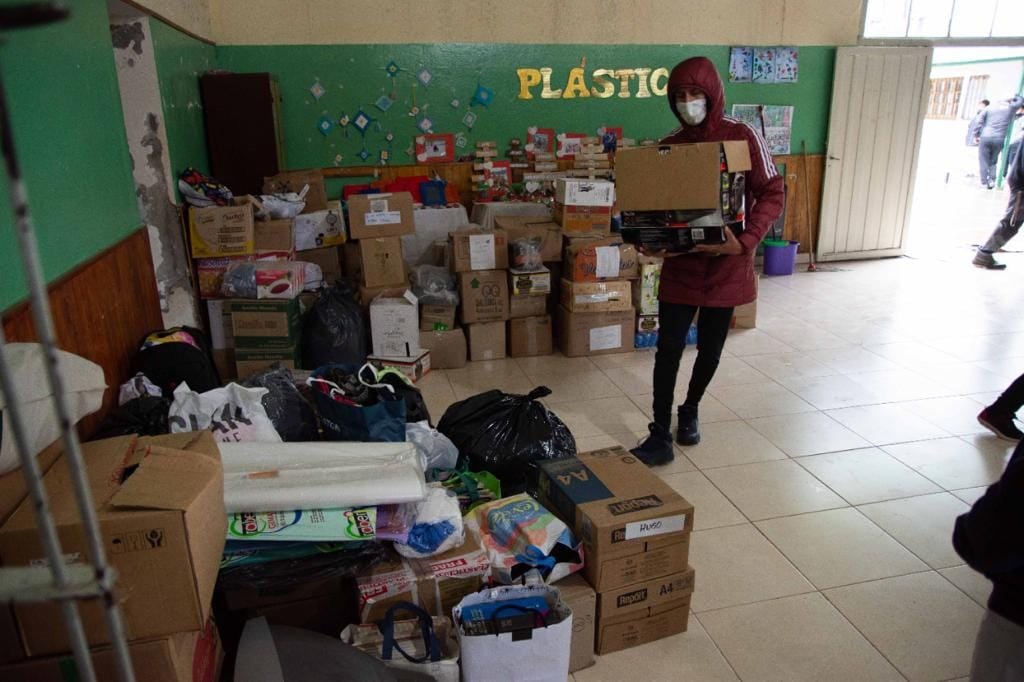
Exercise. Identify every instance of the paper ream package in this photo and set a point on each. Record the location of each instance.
(306, 525)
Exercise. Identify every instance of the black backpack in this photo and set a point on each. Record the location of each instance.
(173, 362)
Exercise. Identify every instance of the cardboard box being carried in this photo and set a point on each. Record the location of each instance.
(477, 249)
(221, 231)
(544, 229)
(376, 262)
(591, 260)
(486, 341)
(394, 324)
(594, 333)
(162, 523)
(295, 181)
(529, 336)
(183, 657)
(581, 598)
(633, 525)
(597, 297)
(447, 348)
(484, 296)
(321, 228)
(380, 215)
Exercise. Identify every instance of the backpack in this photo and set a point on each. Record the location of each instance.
(169, 357)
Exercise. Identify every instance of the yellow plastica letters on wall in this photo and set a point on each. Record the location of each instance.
(528, 78)
(659, 74)
(577, 85)
(607, 85)
(547, 92)
(648, 82)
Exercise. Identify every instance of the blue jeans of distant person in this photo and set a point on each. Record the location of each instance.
(988, 158)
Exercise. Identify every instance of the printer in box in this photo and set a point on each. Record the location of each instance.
(633, 525)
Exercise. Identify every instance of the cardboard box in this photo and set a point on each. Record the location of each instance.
(645, 596)
(527, 306)
(447, 349)
(676, 177)
(415, 367)
(262, 325)
(380, 215)
(486, 341)
(317, 229)
(163, 527)
(529, 336)
(394, 324)
(431, 315)
(294, 181)
(183, 657)
(484, 296)
(222, 335)
(221, 231)
(580, 192)
(676, 239)
(745, 316)
(584, 219)
(224, 361)
(249, 361)
(591, 260)
(597, 297)
(477, 249)
(645, 291)
(594, 333)
(630, 630)
(368, 294)
(581, 598)
(274, 238)
(529, 282)
(376, 262)
(648, 323)
(210, 274)
(521, 227)
(633, 525)
(329, 260)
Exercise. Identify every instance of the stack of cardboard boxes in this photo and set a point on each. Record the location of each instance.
(636, 535)
(533, 283)
(163, 528)
(479, 259)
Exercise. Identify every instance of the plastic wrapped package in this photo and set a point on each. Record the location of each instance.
(239, 281)
(137, 387)
(277, 565)
(527, 253)
(507, 434)
(292, 415)
(433, 285)
(394, 521)
(436, 450)
(438, 526)
(335, 330)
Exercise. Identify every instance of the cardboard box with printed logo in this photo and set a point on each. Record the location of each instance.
(633, 525)
(484, 296)
(321, 228)
(477, 249)
(529, 282)
(380, 215)
(221, 231)
(595, 220)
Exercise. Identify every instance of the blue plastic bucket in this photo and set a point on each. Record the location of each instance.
(780, 256)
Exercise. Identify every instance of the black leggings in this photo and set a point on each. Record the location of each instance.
(675, 319)
(1012, 398)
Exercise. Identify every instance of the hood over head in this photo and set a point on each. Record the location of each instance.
(699, 73)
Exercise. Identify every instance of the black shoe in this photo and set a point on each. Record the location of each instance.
(1001, 424)
(656, 449)
(689, 428)
(987, 263)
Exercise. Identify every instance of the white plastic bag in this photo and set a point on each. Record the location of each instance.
(438, 526)
(83, 385)
(436, 450)
(234, 413)
(137, 387)
(283, 206)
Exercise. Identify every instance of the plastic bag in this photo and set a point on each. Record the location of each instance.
(234, 413)
(137, 387)
(433, 285)
(335, 330)
(283, 206)
(352, 409)
(438, 526)
(436, 451)
(145, 416)
(276, 565)
(527, 253)
(293, 417)
(239, 281)
(507, 434)
(473, 488)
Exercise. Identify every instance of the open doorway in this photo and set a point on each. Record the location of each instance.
(952, 210)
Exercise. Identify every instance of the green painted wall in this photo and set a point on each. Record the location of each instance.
(63, 94)
(354, 76)
(180, 60)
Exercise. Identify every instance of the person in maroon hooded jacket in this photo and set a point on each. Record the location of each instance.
(712, 279)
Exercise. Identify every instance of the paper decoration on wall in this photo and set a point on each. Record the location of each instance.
(338, 158)
(455, 103)
(384, 102)
(410, 150)
(540, 140)
(469, 120)
(483, 96)
(437, 148)
(741, 64)
(385, 156)
(362, 121)
(461, 140)
(392, 69)
(343, 122)
(325, 125)
(425, 125)
(390, 137)
(414, 111)
(786, 64)
(363, 154)
(569, 145)
(764, 65)
(317, 90)
(425, 77)
(774, 121)
(498, 172)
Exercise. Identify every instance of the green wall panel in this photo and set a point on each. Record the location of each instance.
(354, 76)
(180, 60)
(63, 94)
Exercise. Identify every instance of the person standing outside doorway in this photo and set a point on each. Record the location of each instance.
(712, 279)
(989, 130)
(1011, 222)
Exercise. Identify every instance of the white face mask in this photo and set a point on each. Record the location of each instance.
(693, 112)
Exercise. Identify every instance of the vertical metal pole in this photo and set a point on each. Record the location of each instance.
(72, 449)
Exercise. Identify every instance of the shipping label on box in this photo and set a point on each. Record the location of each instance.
(484, 296)
(478, 249)
(486, 341)
(380, 215)
(597, 297)
(221, 231)
(296, 182)
(590, 260)
(394, 325)
(573, 192)
(529, 336)
(320, 228)
(447, 348)
(529, 282)
(581, 334)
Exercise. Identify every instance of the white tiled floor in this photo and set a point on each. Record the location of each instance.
(839, 444)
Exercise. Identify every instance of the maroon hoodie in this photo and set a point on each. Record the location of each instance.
(704, 279)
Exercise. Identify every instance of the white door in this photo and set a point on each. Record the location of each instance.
(879, 99)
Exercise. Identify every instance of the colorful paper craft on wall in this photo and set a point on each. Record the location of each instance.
(498, 172)
(435, 148)
(776, 123)
(469, 120)
(741, 64)
(392, 69)
(384, 102)
(425, 125)
(425, 77)
(343, 121)
(324, 124)
(540, 140)
(786, 64)
(483, 96)
(764, 65)
(362, 121)
(317, 90)
(569, 145)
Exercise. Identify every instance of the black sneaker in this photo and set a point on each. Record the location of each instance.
(688, 432)
(1000, 424)
(656, 449)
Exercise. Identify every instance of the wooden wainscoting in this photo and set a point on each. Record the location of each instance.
(100, 311)
(804, 176)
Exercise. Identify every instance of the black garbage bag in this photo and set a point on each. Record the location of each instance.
(335, 330)
(145, 415)
(292, 415)
(507, 435)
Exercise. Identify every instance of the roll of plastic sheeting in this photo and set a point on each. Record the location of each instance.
(270, 476)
